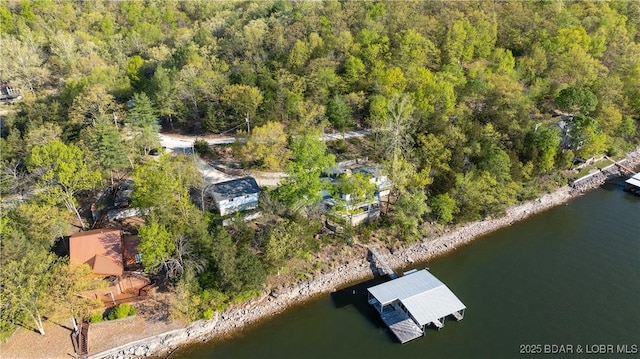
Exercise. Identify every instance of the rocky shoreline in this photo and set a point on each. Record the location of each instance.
(231, 320)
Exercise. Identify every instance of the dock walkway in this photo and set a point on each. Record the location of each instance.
(619, 164)
(401, 325)
(382, 264)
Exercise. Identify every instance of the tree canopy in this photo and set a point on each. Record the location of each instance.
(472, 106)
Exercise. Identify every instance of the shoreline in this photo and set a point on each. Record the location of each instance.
(233, 320)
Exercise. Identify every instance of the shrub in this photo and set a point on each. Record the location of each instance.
(123, 310)
(201, 146)
(95, 317)
(340, 146)
(208, 314)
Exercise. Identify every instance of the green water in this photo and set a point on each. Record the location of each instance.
(569, 276)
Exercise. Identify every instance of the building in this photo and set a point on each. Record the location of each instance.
(240, 194)
(410, 303)
(101, 249)
(344, 206)
(381, 181)
(110, 255)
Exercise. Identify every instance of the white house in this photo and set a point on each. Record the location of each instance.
(236, 195)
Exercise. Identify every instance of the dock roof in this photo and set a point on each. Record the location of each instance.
(405, 287)
(424, 296)
(433, 304)
(635, 180)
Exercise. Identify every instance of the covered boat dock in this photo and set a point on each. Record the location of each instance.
(410, 303)
(633, 184)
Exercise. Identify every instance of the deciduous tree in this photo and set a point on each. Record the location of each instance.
(267, 146)
(24, 289)
(339, 114)
(576, 100)
(310, 159)
(63, 174)
(243, 99)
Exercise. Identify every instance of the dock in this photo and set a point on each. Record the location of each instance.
(633, 184)
(383, 266)
(408, 304)
(403, 327)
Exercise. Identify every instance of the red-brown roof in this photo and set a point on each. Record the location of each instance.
(101, 249)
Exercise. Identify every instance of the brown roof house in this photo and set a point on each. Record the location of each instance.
(101, 249)
(109, 254)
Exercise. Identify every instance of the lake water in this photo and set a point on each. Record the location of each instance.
(567, 279)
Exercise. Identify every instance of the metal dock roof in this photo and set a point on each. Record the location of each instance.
(422, 294)
(405, 286)
(635, 180)
(432, 305)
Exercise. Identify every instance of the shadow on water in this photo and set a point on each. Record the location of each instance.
(616, 184)
(356, 297)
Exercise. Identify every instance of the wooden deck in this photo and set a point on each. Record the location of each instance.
(402, 326)
(384, 267)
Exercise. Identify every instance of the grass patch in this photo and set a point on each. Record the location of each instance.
(587, 169)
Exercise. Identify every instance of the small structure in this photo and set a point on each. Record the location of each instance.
(414, 301)
(122, 197)
(101, 249)
(236, 195)
(633, 184)
(9, 94)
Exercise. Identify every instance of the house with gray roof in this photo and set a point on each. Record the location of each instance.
(236, 195)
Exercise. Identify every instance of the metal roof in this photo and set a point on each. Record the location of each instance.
(635, 180)
(405, 286)
(424, 296)
(433, 304)
(234, 188)
(99, 248)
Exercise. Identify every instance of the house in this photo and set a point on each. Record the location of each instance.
(381, 181)
(410, 303)
(364, 210)
(236, 195)
(354, 213)
(110, 255)
(101, 249)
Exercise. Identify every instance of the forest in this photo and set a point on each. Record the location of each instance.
(473, 106)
